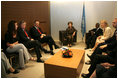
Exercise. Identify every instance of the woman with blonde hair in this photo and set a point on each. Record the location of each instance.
(107, 33)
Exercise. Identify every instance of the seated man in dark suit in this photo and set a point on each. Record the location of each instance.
(25, 38)
(94, 33)
(38, 34)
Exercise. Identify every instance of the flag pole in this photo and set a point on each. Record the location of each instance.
(83, 22)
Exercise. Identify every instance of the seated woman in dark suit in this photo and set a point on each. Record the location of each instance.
(13, 45)
(70, 33)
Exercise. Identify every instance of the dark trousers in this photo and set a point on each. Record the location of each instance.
(97, 60)
(91, 41)
(49, 40)
(98, 50)
(102, 72)
(36, 45)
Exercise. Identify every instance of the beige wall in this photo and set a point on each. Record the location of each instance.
(62, 12)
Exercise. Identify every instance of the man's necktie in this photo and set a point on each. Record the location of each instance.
(27, 35)
(39, 31)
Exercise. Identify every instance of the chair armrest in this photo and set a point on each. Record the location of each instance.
(62, 35)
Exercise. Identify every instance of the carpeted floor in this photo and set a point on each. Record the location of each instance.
(36, 70)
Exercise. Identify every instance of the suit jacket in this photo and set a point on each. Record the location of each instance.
(22, 36)
(98, 31)
(112, 39)
(112, 42)
(35, 34)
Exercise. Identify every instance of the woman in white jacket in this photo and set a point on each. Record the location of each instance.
(107, 33)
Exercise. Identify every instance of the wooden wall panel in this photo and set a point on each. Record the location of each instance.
(25, 10)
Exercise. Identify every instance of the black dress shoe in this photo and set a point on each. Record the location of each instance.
(56, 47)
(89, 56)
(52, 53)
(85, 75)
(88, 63)
(86, 48)
(16, 71)
(47, 51)
(39, 60)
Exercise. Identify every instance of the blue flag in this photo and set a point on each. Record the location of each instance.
(83, 22)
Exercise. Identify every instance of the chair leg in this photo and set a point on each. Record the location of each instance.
(10, 59)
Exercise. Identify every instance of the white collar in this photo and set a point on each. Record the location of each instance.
(36, 27)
